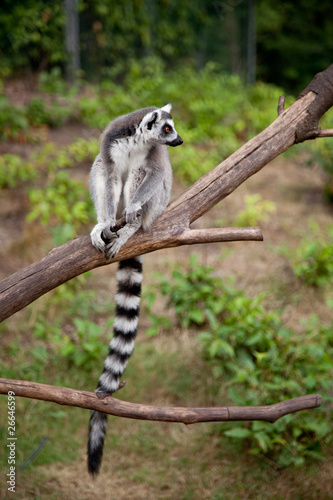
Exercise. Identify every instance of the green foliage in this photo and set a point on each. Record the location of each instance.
(312, 261)
(31, 35)
(53, 82)
(58, 341)
(212, 126)
(212, 123)
(83, 348)
(193, 295)
(64, 201)
(157, 322)
(54, 115)
(260, 360)
(79, 341)
(264, 362)
(106, 103)
(307, 40)
(12, 119)
(140, 28)
(16, 122)
(52, 159)
(177, 32)
(190, 162)
(14, 170)
(36, 112)
(256, 211)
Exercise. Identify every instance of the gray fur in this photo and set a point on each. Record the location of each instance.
(131, 174)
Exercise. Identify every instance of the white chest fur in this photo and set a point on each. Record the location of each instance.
(129, 156)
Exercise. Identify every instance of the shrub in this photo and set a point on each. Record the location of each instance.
(257, 210)
(259, 360)
(39, 113)
(12, 120)
(15, 122)
(14, 170)
(65, 202)
(80, 340)
(312, 262)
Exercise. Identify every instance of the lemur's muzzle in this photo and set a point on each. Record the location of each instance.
(176, 142)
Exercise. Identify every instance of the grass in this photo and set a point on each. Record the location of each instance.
(150, 459)
(142, 459)
(146, 459)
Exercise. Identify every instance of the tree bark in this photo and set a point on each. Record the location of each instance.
(78, 256)
(298, 123)
(113, 406)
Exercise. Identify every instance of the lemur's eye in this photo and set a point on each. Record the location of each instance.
(167, 130)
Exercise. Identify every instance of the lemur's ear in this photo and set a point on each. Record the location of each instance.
(167, 108)
(151, 119)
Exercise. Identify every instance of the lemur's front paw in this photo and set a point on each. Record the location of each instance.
(113, 248)
(96, 235)
(108, 234)
(131, 213)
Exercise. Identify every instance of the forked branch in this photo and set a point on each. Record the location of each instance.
(297, 123)
(113, 406)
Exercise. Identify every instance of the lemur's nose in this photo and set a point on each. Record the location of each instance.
(176, 142)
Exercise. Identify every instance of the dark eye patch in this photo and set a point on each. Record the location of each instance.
(167, 128)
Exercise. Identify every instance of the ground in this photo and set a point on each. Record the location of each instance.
(175, 461)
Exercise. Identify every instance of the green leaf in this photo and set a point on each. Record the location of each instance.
(238, 433)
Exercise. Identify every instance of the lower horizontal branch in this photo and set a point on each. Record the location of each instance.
(113, 406)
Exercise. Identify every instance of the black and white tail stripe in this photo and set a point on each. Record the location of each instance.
(129, 277)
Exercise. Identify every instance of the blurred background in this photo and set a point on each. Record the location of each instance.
(244, 323)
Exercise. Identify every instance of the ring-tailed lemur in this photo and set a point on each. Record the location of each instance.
(131, 176)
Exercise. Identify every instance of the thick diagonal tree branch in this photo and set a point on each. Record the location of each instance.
(78, 256)
(298, 123)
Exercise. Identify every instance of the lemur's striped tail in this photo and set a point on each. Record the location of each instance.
(129, 277)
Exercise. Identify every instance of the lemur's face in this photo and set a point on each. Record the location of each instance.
(168, 134)
(160, 127)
